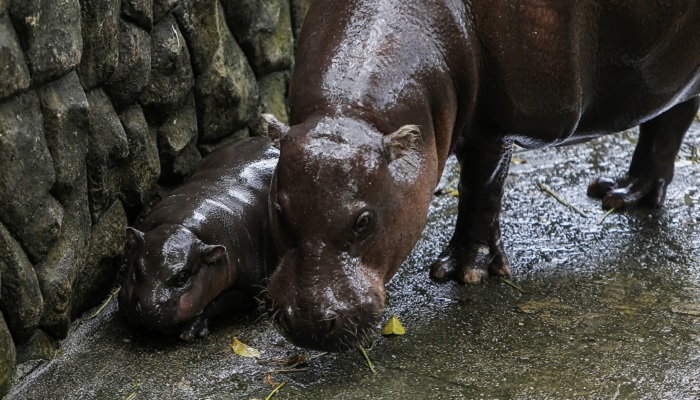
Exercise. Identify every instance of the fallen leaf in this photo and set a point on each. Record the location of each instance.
(518, 161)
(244, 350)
(393, 327)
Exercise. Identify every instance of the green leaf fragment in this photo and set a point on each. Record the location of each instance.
(393, 327)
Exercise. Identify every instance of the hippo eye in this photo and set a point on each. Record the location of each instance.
(182, 278)
(364, 223)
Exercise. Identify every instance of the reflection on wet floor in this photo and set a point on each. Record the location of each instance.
(599, 309)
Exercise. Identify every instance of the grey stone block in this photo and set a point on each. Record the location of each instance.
(66, 124)
(41, 346)
(103, 260)
(140, 11)
(53, 39)
(226, 93)
(134, 68)
(171, 72)
(273, 95)
(26, 207)
(299, 8)
(108, 150)
(143, 166)
(204, 28)
(264, 31)
(162, 7)
(177, 140)
(100, 28)
(66, 260)
(15, 74)
(7, 357)
(20, 299)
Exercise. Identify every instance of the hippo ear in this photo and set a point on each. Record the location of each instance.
(134, 236)
(402, 142)
(212, 254)
(275, 128)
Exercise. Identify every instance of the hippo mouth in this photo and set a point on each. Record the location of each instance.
(334, 333)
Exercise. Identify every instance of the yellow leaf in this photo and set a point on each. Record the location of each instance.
(244, 350)
(393, 327)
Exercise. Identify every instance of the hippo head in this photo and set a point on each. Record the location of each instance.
(171, 276)
(345, 213)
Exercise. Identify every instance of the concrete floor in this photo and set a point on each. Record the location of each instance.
(604, 310)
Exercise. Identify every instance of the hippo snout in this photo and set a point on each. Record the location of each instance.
(325, 318)
(328, 330)
(149, 314)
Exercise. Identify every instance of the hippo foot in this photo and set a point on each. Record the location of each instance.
(626, 192)
(195, 328)
(469, 265)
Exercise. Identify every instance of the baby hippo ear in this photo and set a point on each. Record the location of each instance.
(275, 128)
(402, 142)
(134, 236)
(212, 254)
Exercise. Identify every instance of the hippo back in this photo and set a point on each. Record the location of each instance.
(225, 202)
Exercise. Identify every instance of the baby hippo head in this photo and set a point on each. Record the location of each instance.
(171, 276)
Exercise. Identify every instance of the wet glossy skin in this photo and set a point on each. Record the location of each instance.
(206, 248)
(474, 77)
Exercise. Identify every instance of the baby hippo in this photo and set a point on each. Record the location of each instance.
(206, 248)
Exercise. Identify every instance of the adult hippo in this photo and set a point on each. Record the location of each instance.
(384, 90)
(206, 248)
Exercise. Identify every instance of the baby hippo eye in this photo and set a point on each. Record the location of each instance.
(182, 278)
(364, 223)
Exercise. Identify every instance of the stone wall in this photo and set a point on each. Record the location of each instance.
(104, 104)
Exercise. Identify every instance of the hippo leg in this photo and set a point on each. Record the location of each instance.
(229, 301)
(651, 169)
(475, 248)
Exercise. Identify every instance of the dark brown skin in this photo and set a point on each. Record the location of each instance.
(205, 249)
(350, 195)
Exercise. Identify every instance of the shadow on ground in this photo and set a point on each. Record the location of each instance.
(603, 309)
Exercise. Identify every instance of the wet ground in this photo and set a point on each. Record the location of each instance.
(603, 309)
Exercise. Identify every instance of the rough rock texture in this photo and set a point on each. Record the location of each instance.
(20, 295)
(264, 31)
(162, 7)
(177, 139)
(143, 164)
(100, 26)
(15, 74)
(7, 357)
(108, 147)
(225, 80)
(171, 73)
(273, 92)
(104, 258)
(41, 346)
(53, 39)
(26, 207)
(298, 11)
(134, 67)
(105, 105)
(66, 122)
(66, 260)
(139, 11)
